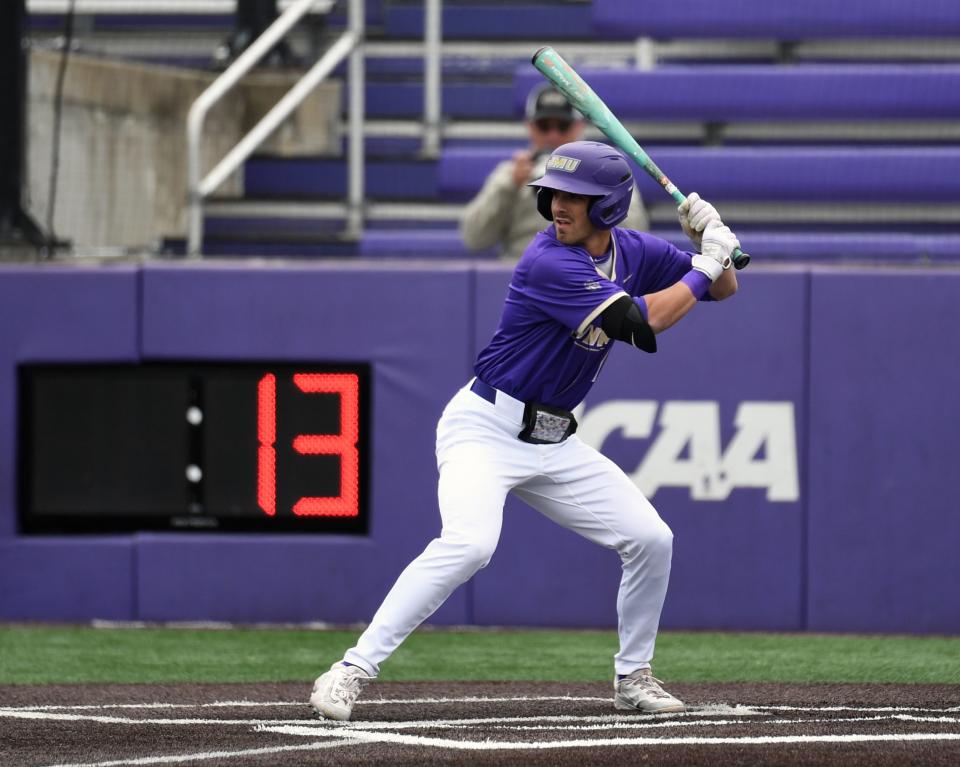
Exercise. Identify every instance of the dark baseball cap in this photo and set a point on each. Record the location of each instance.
(546, 102)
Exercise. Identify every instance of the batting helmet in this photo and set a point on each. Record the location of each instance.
(589, 168)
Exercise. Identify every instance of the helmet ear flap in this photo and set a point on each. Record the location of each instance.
(544, 200)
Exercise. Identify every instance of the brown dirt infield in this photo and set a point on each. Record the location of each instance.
(502, 723)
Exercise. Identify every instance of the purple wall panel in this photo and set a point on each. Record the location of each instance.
(252, 578)
(56, 315)
(884, 419)
(738, 560)
(316, 313)
(67, 579)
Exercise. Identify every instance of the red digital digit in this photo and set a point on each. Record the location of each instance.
(267, 437)
(344, 444)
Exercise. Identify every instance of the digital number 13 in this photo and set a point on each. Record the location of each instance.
(344, 444)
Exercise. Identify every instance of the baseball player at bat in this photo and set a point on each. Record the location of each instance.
(581, 285)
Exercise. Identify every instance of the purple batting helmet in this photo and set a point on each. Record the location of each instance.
(593, 169)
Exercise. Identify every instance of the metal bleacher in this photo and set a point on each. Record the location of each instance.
(822, 130)
(819, 139)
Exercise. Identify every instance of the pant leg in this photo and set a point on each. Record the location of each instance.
(478, 459)
(586, 492)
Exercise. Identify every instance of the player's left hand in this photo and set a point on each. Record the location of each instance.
(695, 214)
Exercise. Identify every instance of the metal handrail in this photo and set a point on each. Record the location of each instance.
(347, 43)
(136, 7)
(432, 78)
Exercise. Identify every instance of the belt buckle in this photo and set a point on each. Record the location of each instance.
(546, 425)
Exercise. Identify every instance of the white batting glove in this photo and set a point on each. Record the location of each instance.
(695, 214)
(718, 243)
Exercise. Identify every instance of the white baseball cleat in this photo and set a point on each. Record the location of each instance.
(640, 691)
(335, 692)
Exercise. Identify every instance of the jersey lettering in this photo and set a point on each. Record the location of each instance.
(593, 339)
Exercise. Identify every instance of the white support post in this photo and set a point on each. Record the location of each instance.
(646, 54)
(432, 50)
(355, 160)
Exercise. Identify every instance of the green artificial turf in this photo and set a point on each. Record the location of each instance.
(57, 654)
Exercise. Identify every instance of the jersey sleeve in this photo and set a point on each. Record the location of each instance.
(568, 289)
(663, 265)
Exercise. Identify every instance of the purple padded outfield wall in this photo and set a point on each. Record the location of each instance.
(49, 315)
(799, 439)
(884, 449)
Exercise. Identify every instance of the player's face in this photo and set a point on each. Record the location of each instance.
(570, 217)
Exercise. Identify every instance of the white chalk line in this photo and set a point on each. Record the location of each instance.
(384, 732)
(460, 699)
(506, 721)
(629, 725)
(856, 708)
(486, 745)
(582, 723)
(367, 702)
(320, 725)
(203, 755)
(66, 713)
(65, 717)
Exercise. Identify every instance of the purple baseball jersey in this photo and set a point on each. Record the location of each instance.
(549, 346)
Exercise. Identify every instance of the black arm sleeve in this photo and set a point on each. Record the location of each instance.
(623, 321)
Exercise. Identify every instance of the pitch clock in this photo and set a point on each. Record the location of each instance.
(228, 446)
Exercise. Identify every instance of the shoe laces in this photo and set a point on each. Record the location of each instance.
(647, 682)
(348, 685)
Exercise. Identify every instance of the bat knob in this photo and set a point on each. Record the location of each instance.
(740, 259)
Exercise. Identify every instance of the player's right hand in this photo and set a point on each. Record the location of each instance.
(522, 168)
(718, 245)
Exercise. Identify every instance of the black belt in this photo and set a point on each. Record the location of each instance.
(542, 424)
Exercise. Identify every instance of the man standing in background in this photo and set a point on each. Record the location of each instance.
(504, 213)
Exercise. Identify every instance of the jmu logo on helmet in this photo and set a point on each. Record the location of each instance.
(566, 164)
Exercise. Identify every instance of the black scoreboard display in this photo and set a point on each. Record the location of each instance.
(182, 446)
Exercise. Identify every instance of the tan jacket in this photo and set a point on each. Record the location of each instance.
(501, 214)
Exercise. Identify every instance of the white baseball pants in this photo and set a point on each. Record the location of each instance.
(480, 460)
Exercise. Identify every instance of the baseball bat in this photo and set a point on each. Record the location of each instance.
(583, 98)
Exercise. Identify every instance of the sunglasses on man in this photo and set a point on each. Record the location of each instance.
(547, 125)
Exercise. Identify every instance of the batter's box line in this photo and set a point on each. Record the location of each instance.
(461, 699)
(140, 761)
(596, 723)
(72, 716)
(506, 721)
(467, 745)
(727, 722)
(877, 709)
(300, 703)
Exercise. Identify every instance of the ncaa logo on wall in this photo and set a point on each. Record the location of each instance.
(686, 449)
